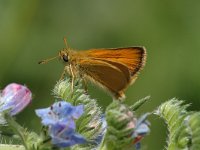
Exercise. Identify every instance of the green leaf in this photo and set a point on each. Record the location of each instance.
(183, 126)
(139, 103)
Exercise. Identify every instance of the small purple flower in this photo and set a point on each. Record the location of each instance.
(60, 118)
(103, 130)
(60, 112)
(142, 128)
(64, 136)
(15, 97)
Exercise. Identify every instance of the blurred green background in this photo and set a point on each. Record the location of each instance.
(170, 30)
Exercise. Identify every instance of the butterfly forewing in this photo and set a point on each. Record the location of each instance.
(113, 69)
(131, 57)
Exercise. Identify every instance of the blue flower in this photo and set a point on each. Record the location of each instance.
(60, 112)
(64, 136)
(141, 129)
(142, 126)
(60, 119)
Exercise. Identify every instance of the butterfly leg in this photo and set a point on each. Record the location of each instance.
(65, 72)
(62, 75)
(84, 82)
(72, 77)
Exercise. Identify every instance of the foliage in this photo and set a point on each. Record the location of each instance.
(75, 121)
(183, 125)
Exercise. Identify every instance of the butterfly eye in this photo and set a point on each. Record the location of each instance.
(65, 58)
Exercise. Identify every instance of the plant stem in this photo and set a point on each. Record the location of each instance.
(19, 130)
(11, 147)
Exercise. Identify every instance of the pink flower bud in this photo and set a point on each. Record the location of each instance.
(15, 97)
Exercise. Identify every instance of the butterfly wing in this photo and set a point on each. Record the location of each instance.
(132, 57)
(114, 68)
(105, 75)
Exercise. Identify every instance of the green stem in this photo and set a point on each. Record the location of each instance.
(11, 147)
(19, 130)
(102, 144)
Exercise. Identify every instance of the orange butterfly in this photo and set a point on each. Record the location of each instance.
(113, 69)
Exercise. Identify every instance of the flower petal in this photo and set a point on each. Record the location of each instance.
(60, 118)
(61, 112)
(78, 111)
(15, 97)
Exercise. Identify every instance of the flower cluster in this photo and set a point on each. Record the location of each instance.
(124, 127)
(82, 126)
(60, 119)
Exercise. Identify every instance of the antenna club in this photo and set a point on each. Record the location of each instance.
(42, 62)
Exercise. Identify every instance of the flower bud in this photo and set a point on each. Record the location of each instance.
(15, 97)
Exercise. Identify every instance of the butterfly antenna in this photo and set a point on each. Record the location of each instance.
(65, 42)
(47, 60)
